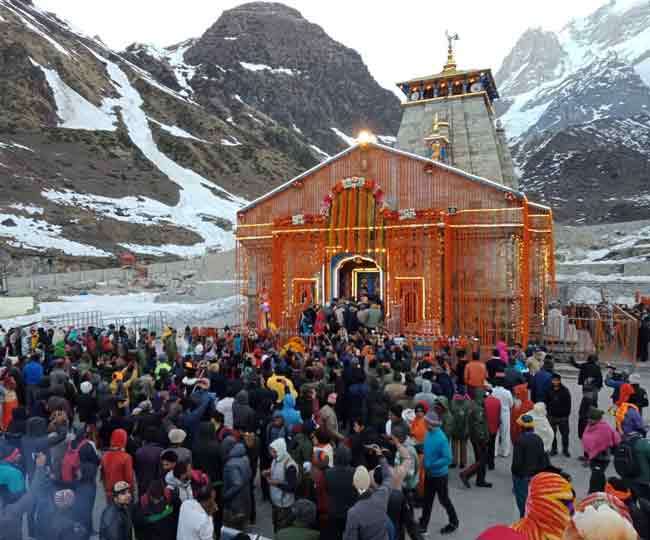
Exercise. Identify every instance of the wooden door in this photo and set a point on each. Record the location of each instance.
(410, 295)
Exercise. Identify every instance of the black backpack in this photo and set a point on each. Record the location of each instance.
(625, 459)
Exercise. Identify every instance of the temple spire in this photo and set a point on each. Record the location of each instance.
(451, 61)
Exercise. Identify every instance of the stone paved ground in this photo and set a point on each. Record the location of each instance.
(480, 508)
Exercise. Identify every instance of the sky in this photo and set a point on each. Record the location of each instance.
(398, 41)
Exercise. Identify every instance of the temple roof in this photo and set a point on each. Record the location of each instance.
(465, 174)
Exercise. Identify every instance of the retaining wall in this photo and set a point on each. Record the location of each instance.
(213, 266)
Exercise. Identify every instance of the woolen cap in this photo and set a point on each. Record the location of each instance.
(595, 414)
(432, 418)
(177, 436)
(361, 479)
(121, 487)
(635, 378)
(86, 387)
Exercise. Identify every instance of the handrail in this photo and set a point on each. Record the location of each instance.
(624, 313)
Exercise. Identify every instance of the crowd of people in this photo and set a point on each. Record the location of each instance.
(345, 433)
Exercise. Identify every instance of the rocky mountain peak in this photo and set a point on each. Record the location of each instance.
(534, 59)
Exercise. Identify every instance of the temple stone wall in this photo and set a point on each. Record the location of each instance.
(475, 145)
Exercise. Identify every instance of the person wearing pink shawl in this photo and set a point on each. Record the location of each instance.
(597, 440)
(503, 351)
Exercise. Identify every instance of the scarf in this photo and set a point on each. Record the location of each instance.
(548, 512)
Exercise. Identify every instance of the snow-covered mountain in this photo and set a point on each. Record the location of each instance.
(154, 150)
(576, 106)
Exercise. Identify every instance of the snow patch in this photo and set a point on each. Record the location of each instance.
(296, 128)
(177, 132)
(351, 141)
(138, 210)
(643, 70)
(233, 142)
(75, 111)
(125, 306)
(322, 154)
(195, 199)
(231, 38)
(587, 295)
(195, 250)
(28, 208)
(264, 67)
(11, 145)
(30, 233)
(389, 140)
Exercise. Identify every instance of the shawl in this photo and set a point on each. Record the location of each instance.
(548, 508)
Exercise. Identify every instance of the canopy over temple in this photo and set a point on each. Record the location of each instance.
(450, 81)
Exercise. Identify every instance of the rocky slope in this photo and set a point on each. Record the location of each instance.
(577, 109)
(154, 150)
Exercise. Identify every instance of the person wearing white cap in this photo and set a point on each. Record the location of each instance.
(176, 439)
(368, 517)
(116, 522)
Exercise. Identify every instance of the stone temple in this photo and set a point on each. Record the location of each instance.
(449, 117)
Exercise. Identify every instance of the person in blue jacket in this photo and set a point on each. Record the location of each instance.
(289, 412)
(541, 382)
(437, 457)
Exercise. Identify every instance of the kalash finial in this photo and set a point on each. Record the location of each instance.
(451, 61)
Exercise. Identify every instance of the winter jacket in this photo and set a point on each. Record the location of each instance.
(446, 385)
(475, 374)
(599, 437)
(341, 493)
(194, 523)
(642, 453)
(478, 425)
(37, 439)
(445, 416)
(540, 384)
(297, 531)
(528, 457)
(513, 377)
(116, 523)
(495, 365)
(156, 520)
(33, 373)
(437, 454)
(590, 375)
(493, 414)
(190, 420)
(558, 402)
(243, 414)
(378, 405)
(116, 464)
(236, 478)
(330, 422)
(289, 413)
(11, 515)
(206, 452)
(366, 520)
(147, 465)
(182, 489)
(460, 409)
(277, 383)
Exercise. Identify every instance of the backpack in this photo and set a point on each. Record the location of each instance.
(71, 463)
(625, 459)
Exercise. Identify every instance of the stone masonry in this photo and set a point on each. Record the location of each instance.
(475, 144)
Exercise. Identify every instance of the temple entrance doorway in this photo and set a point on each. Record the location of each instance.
(356, 276)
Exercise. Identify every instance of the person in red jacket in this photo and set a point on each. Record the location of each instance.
(117, 465)
(493, 417)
